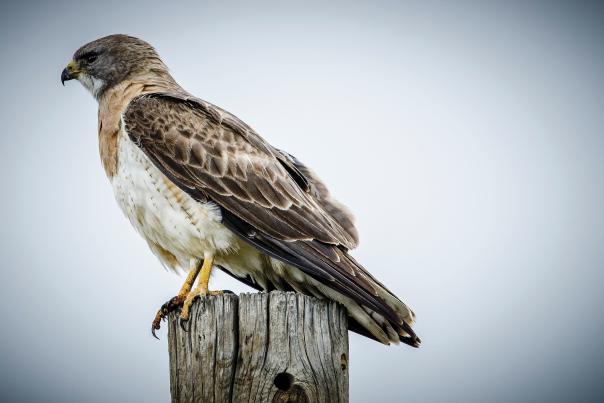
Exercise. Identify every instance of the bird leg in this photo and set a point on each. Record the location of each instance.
(177, 301)
(201, 289)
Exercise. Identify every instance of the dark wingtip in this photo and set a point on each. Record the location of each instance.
(411, 341)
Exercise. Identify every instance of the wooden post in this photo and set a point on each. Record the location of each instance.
(277, 347)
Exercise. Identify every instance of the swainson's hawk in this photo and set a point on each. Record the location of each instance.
(204, 190)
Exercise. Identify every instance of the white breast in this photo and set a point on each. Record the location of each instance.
(164, 215)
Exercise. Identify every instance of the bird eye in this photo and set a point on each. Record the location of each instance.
(91, 58)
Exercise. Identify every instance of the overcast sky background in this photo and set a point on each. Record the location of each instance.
(467, 137)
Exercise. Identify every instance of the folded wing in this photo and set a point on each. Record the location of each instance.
(267, 197)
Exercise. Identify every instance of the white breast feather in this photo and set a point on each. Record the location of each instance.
(162, 213)
(169, 218)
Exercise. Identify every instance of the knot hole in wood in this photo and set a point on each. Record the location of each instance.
(284, 381)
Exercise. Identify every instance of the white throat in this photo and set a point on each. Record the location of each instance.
(92, 84)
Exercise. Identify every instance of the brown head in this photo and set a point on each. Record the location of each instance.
(108, 61)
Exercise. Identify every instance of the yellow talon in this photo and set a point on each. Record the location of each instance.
(201, 289)
(178, 300)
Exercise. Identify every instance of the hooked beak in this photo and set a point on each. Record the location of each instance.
(70, 72)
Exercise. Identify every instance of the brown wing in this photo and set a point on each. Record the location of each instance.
(321, 194)
(267, 201)
(229, 164)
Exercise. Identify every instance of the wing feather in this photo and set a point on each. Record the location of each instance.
(267, 197)
(230, 165)
(318, 189)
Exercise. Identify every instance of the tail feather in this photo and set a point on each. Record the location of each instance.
(314, 267)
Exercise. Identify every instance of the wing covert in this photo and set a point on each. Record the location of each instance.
(268, 198)
(212, 154)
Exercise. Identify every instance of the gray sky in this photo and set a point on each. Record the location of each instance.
(481, 206)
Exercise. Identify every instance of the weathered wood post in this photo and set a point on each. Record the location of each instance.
(277, 347)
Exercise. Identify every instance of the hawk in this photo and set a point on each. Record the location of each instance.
(205, 190)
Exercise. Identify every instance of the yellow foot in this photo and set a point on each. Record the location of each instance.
(176, 302)
(169, 306)
(186, 306)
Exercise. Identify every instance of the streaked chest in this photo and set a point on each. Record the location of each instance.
(162, 213)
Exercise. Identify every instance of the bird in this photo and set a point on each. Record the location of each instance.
(206, 191)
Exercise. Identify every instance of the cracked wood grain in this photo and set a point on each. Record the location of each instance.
(277, 347)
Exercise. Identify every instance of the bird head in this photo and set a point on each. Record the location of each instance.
(108, 61)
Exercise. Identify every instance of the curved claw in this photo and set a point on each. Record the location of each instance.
(181, 323)
(171, 305)
(156, 324)
(153, 329)
(175, 304)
